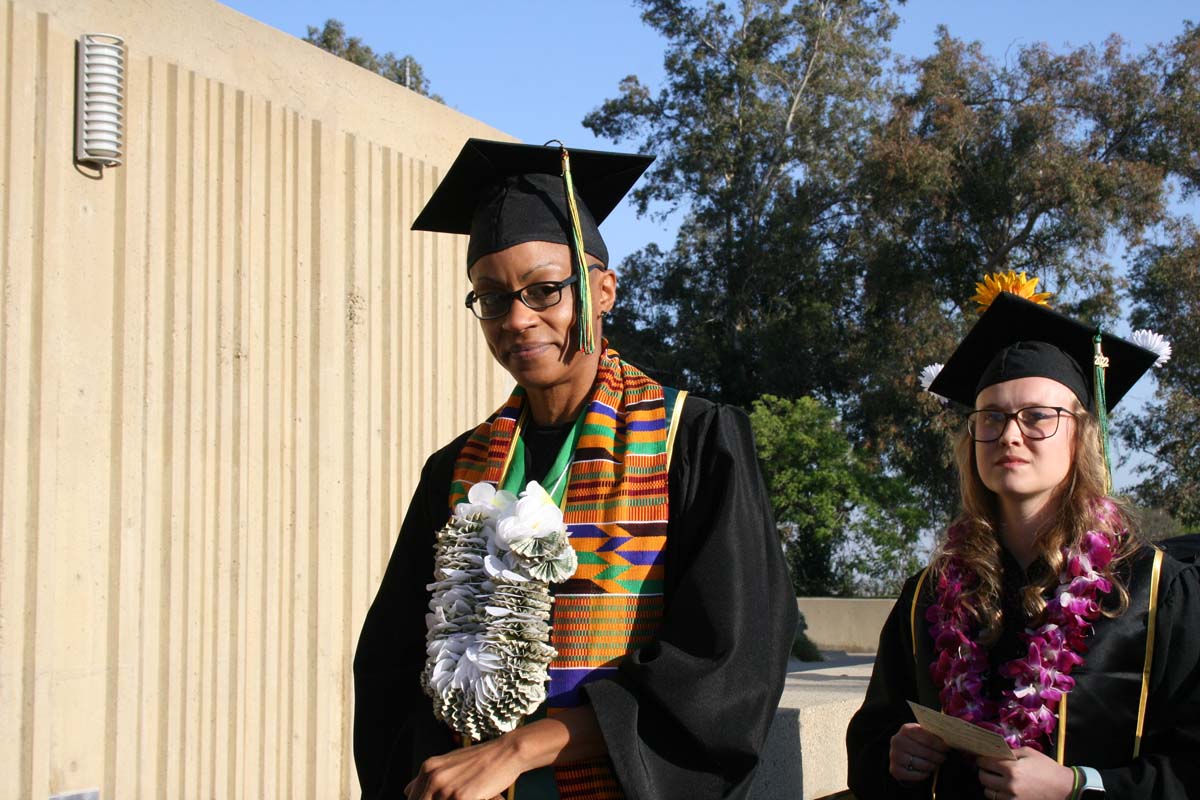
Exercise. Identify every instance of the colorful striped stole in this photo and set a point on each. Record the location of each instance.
(616, 509)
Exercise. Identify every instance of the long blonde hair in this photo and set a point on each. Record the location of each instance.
(1080, 502)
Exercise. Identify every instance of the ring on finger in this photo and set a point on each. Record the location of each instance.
(909, 765)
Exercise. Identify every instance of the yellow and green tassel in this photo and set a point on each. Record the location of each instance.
(583, 293)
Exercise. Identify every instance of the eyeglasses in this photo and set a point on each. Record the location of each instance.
(538, 296)
(1036, 422)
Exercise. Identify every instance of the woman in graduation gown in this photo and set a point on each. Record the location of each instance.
(1042, 616)
(673, 634)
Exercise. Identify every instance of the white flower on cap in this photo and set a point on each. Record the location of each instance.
(928, 373)
(1155, 343)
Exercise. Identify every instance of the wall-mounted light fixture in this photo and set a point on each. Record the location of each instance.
(100, 100)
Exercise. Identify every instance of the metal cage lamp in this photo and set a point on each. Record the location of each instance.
(100, 100)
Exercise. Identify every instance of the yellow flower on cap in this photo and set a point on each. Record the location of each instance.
(1016, 283)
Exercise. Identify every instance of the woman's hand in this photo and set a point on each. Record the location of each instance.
(1033, 776)
(915, 753)
(485, 771)
(479, 772)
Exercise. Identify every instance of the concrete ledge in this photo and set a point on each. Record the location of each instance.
(847, 624)
(805, 754)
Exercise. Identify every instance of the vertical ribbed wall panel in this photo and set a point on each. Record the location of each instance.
(223, 365)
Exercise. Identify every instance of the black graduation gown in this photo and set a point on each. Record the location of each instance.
(685, 716)
(1101, 709)
(1185, 548)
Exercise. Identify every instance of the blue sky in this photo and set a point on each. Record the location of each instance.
(534, 68)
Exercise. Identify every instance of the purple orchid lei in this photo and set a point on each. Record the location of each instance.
(1027, 713)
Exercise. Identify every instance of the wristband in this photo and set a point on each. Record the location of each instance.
(1075, 776)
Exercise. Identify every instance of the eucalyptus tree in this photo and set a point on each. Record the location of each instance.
(1042, 163)
(759, 130)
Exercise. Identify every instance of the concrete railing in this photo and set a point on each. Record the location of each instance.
(850, 625)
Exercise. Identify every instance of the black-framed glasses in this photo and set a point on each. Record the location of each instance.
(538, 296)
(1036, 422)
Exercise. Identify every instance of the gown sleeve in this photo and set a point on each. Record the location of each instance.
(885, 709)
(1168, 767)
(686, 716)
(394, 726)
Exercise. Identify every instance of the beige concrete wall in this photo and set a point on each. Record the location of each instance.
(223, 364)
(842, 623)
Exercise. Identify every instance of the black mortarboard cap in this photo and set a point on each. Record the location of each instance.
(503, 194)
(1017, 338)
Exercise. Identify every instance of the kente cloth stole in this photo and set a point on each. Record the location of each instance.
(616, 509)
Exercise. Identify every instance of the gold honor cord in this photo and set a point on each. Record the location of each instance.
(583, 290)
(676, 415)
(1062, 730)
(1152, 613)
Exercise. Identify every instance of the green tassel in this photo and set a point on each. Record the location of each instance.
(1101, 364)
(583, 293)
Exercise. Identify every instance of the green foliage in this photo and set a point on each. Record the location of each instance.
(1166, 291)
(843, 525)
(837, 215)
(803, 648)
(403, 70)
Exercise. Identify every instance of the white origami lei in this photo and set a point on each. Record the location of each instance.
(488, 642)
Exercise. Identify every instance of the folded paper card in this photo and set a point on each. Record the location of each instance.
(962, 735)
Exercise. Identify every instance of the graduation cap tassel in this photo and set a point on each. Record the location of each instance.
(583, 293)
(1101, 364)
